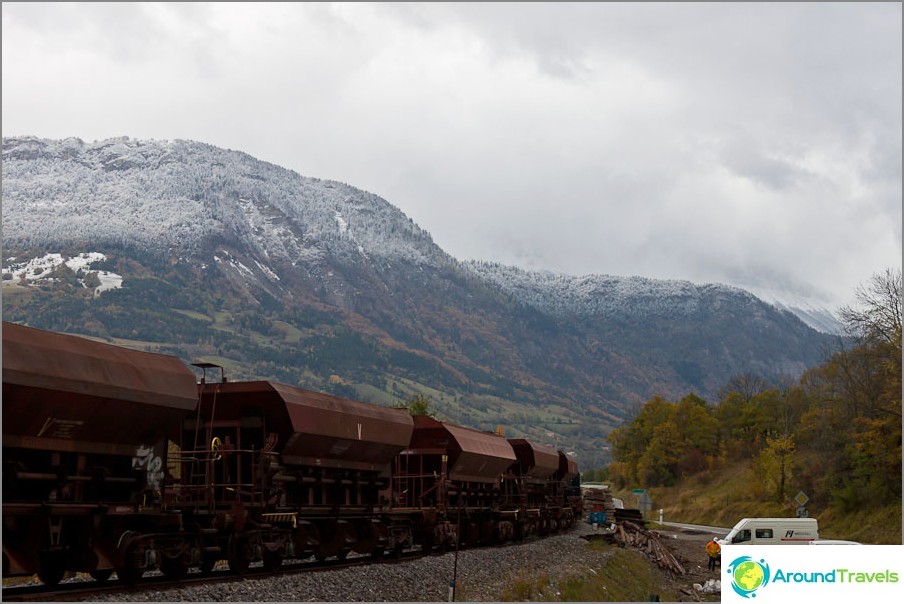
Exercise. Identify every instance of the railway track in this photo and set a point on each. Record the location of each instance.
(75, 590)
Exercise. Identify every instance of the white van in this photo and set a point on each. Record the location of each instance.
(772, 531)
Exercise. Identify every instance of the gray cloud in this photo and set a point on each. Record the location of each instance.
(757, 144)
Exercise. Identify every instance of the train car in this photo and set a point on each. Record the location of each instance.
(567, 485)
(529, 484)
(449, 479)
(536, 465)
(84, 431)
(270, 471)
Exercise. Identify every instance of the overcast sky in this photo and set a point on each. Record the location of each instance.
(752, 144)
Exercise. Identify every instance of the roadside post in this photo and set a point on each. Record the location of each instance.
(644, 503)
(801, 498)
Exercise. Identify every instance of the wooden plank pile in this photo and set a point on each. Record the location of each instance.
(631, 534)
(629, 515)
(597, 498)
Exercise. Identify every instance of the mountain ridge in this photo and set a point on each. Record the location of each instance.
(222, 255)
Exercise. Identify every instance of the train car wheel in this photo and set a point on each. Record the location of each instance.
(101, 576)
(51, 569)
(129, 575)
(174, 568)
(272, 560)
(239, 554)
(522, 529)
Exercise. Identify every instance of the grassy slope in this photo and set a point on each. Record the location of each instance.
(626, 577)
(723, 497)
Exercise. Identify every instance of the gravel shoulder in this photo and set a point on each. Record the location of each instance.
(482, 575)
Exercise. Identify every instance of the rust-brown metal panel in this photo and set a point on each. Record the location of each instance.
(568, 467)
(231, 401)
(537, 461)
(53, 361)
(482, 456)
(61, 388)
(430, 434)
(337, 430)
(474, 456)
(318, 428)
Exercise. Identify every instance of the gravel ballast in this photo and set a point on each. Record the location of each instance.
(482, 575)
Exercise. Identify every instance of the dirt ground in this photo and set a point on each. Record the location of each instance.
(689, 548)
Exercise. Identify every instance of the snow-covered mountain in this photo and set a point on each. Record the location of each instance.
(816, 316)
(177, 194)
(211, 253)
(189, 193)
(606, 295)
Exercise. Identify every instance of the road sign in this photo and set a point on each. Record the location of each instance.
(801, 498)
(639, 491)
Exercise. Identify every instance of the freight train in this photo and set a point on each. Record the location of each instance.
(119, 460)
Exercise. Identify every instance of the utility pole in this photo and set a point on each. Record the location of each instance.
(457, 542)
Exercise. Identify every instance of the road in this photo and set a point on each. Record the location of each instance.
(715, 530)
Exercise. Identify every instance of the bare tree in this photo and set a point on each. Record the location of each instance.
(877, 317)
(746, 384)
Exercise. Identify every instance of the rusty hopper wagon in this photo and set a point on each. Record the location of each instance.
(297, 473)
(537, 464)
(83, 467)
(450, 474)
(532, 486)
(567, 483)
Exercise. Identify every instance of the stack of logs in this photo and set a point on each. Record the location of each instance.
(634, 535)
(631, 534)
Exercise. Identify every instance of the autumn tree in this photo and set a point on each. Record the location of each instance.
(665, 442)
(420, 405)
(658, 464)
(630, 441)
(774, 466)
(699, 434)
(855, 412)
(745, 421)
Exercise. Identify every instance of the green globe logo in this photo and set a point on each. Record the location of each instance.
(748, 575)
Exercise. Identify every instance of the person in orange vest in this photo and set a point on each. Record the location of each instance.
(714, 551)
